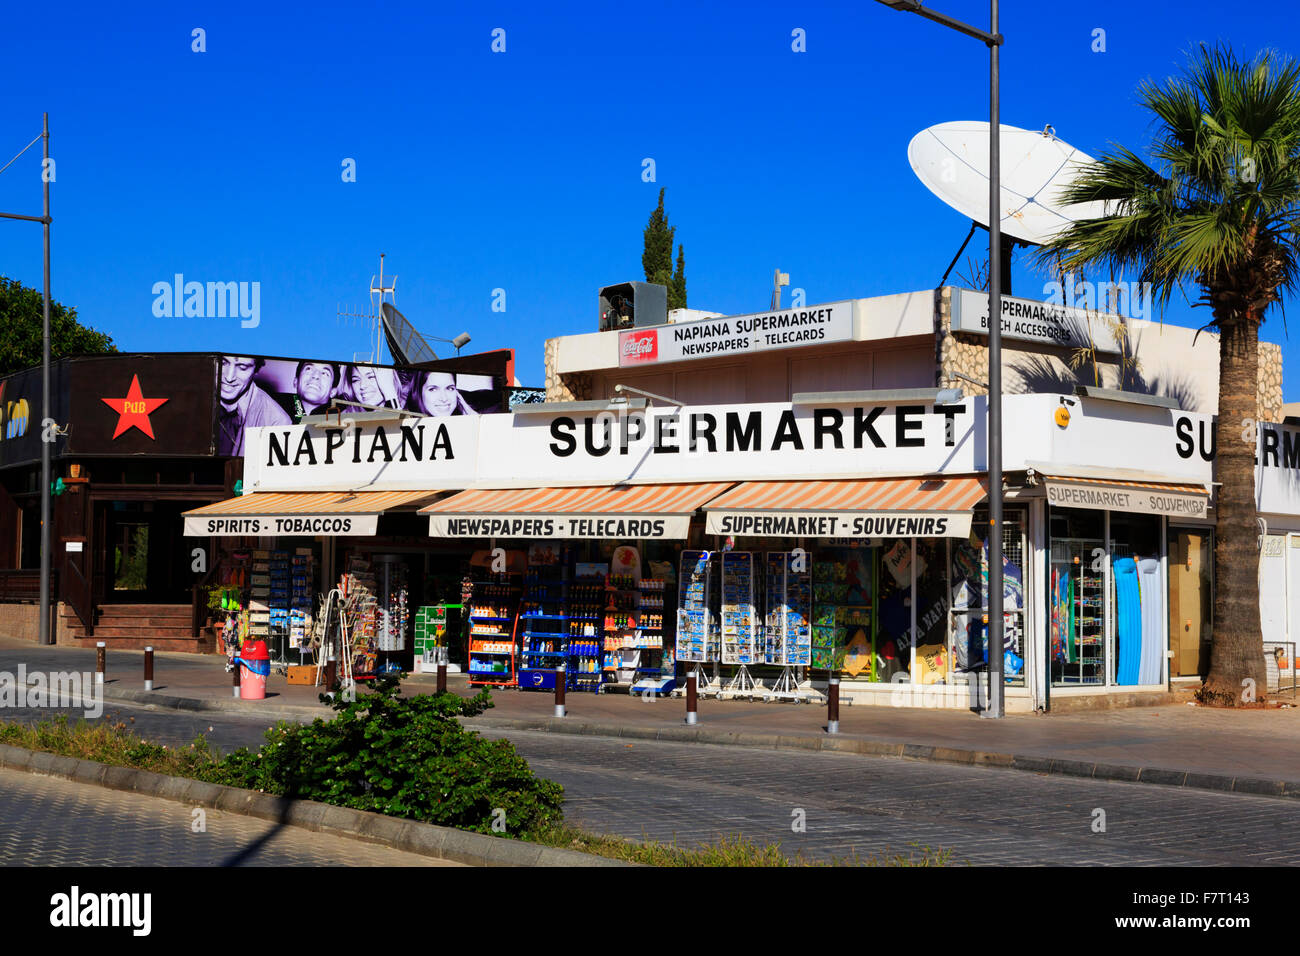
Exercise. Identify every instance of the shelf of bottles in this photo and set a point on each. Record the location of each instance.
(656, 665)
(543, 621)
(622, 619)
(493, 612)
(585, 623)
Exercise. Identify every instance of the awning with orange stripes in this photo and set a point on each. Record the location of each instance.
(1141, 497)
(607, 511)
(848, 508)
(308, 513)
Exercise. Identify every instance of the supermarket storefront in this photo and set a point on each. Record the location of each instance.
(782, 542)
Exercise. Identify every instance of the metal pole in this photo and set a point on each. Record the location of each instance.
(559, 691)
(692, 697)
(148, 668)
(995, 708)
(833, 706)
(43, 627)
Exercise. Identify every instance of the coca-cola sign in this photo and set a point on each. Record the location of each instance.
(637, 347)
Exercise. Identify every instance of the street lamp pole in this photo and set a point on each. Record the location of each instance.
(993, 40)
(43, 627)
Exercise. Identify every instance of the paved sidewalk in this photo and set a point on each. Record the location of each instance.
(1254, 747)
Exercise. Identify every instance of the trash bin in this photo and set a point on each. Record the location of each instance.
(255, 665)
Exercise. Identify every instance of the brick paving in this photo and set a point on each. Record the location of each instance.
(693, 793)
(869, 806)
(48, 821)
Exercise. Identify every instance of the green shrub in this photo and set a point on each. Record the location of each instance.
(402, 756)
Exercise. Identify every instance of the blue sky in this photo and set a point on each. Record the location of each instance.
(522, 170)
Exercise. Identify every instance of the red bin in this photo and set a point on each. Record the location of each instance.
(255, 666)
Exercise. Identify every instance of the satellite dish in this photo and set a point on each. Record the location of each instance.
(406, 344)
(952, 160)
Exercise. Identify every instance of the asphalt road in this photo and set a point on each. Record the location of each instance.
(828, 805)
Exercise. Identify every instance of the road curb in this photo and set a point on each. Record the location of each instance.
(231, 705)
(1185, 779)
(425, 839)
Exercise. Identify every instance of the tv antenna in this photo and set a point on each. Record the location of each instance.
(373, 317)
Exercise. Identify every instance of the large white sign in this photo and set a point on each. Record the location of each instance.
(672, 444)
(737, 334)
(1277, 481)
(232, 526)
(1031, 321)
(417, 454)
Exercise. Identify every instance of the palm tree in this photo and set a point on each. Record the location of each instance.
(1217, 209)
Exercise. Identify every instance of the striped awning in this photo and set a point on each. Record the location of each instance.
(1140, 497)
(606, 511)
(308, 513)
(849, 508)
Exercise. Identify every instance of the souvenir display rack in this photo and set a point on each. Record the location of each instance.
(788, 622)
(741, 636)
(493, 624)
(697, 624)
(1078, 612)
(391, 604)
(357, 588)
(545, 631)
(301, 591)
(655, 666)
(259, 597)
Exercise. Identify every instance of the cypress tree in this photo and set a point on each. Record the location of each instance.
(657, 259)
(677, 291)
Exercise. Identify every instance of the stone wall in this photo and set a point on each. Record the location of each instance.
(959, 352)
(1270, 382)
(574, 387)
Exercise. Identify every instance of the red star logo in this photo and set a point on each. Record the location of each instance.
(134, 409)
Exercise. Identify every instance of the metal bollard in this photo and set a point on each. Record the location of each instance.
(833, 705)
(442, 678)
(692, 697)
(148, 668)
(559, 691)
(101, 654)
(235, 678)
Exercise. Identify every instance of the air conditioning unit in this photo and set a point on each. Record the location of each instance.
(631, 304)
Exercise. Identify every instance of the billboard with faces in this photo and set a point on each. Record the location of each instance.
(254, 391)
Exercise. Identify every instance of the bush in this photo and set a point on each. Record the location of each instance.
(405, 757)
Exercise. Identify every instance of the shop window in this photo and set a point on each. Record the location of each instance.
(969, 574)
(1076, 597)
(1137, 600)
(844, 626)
